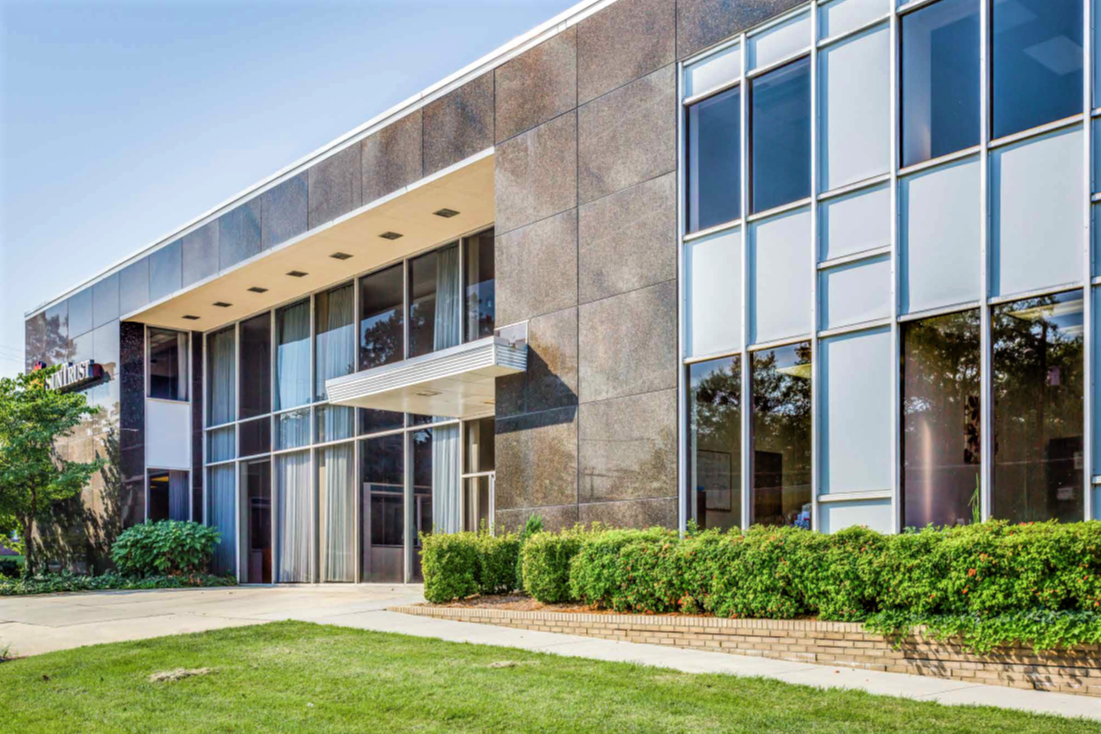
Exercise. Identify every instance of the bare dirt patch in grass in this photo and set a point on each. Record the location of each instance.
(171, 676)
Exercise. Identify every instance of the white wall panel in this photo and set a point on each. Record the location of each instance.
(717, 69)
(842, 16)
(167, 435)
(855, 293)
(874, 514)
(855, 222)
(855, 101)
(780, 277)
(939, 236)
(779, 41)
(714, 288)
(1036, 213)
(855, 412)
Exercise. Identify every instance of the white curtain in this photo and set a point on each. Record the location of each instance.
(335, 422)
(292, 430)
(222, 513)
(177, 495)
(223, 444)
(335, 336)
(292, 360)
(182, 356)
(296, 523)
(448, 320)
(446, 516)
(338, 517)
(223, 389)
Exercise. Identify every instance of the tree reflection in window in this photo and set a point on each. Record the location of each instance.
(715, 443)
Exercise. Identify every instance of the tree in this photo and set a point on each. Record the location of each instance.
(32, 474)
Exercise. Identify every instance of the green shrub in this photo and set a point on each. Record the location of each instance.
(628, 571)
(533, 525)
(546, 562)
(449, 563)
(11, 567)
(165, 548)
(66, 582)
(497, 559)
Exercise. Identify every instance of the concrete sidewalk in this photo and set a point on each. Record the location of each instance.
(34, 625)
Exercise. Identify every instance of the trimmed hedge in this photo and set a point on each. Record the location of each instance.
(65, 582)
(165, 548)
(458, 565)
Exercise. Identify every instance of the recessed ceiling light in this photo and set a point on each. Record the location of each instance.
(446, 213)
(222, 304)
(390, 235)
(427, 394)
(297, 274)
(257, 289)
(189, 317)
(340, 256)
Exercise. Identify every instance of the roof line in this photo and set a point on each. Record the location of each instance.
(497, 57)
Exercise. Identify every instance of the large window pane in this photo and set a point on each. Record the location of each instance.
(381, 325)
(855, 87)
(377, 421)
(714, 269)
(256, 522)
(334, 313)
(256, 353)
(940, 80)
(479, 454)
(168, 360)
(221, 514)
(221, 444)
(941, 445)
(715, 443)
(781, 385)
(294, 504)
(1038, 383)
(1037, 64)
(780, 272)
(292, 355)
(336, 490)
(292, 429)
(434, 307)
(221, 378)
(168, 498)
(435, 485)
(255, 436)
(714, 180)
(780, 124)
(334, 422)
(481, 300)
(382, 508)
(478, 503)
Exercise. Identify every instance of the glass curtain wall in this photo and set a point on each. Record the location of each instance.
(480, 275)
(296, 522)
(256, 563)
(715, 443)
(478, 465)
(381, 318)
(382, 508)
(256, 353)
(336, 489)
(222, 515)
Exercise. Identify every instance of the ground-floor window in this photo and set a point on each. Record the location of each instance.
(168, 495)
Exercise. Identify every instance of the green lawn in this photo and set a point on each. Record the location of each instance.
(293, 676)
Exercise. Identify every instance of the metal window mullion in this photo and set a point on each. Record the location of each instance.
(1087, 261)
(986, 400)
(203, 433)
(462, 479)
(357, 510)
(684, 487)
(817, 394)
(407, 509)
(896, 340)
(745, 414)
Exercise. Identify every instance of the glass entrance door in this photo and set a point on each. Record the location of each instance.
(256, 522)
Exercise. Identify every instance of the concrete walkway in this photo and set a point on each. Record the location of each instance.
(34, 625)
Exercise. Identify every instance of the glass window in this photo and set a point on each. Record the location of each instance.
(256, 521)
(334, 313)
(480, 295)
(255, 437)
(842, 16)
(779, 41)
(292, 355)
(855, 293)
(781, 269)
(221, 514)
(714, 176)
(717, 69)
(781, 385)
(854, 222)
(856, 413)
(714, 287)
(940, 80)
(780, 141)
(434, 301)
(336, 494)
(855, 87)
(256, 353)
(168, 496)
(941, 443)
(715, 443)
(381, 325)
(377, 421)
(382, 508)
(334, 422)
(168, 359)
(1037, 60)
(222, 444)
(479, 453)
(294, 506)
(478, 503)
(80, 313)
(221, 377)
(1038, 381)
(292, 430)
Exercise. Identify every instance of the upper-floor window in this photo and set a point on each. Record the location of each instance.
(481, 309)
(381, 318)
(168, 359)
(714, 160)
(780, 141)
(434, 301)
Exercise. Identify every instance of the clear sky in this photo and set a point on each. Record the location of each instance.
(121, 120)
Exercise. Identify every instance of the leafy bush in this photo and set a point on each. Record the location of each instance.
(533, 525)
(10, 567)
(497, 559)
(65, 582)
(546, 563)
(458, 565)
(165, 548)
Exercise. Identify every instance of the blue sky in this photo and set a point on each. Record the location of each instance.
(120, 121)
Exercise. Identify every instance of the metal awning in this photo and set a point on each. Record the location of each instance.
(457, 382)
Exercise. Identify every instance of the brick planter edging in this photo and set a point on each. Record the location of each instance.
(1074, 670)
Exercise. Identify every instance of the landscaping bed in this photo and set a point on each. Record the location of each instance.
(65, 582)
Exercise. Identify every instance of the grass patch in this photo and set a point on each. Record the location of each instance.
(294, 676)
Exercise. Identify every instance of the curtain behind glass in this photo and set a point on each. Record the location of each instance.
(338, 514)
(292, 366)
(296, 539)
(177, 495)
(336, 347)
(446, 516)
(447, 326)
(183, 357)
(223, 517)
(223, 388)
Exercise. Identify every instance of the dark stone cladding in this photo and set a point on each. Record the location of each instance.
(132, 412)
(393, 157)
(197, 425)
(537, 85)
(703, 23)
(239, 234)
(335, 186)
(627, 40)
(284, 211)
(458, 124)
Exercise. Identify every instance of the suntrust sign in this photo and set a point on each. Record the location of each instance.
(72, 376)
